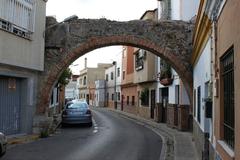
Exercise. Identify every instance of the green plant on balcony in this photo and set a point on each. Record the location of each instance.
(65, 77)
(165, 74)
(144, 96)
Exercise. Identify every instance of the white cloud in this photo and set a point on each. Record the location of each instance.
(110, 9)
(121, 10)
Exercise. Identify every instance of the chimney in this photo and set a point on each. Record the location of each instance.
(85, 63)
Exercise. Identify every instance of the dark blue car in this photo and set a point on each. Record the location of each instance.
(77, 112)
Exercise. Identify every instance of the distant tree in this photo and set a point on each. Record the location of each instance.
(65, 77)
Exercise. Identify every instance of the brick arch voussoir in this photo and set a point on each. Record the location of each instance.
(97, 42)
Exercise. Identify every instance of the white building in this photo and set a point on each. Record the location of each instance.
(112, 88)
(174, 93)
(205, 81)
(71, 89)
(22, 24)
(100, 93)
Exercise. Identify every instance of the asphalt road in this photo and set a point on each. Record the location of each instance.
(112, 137)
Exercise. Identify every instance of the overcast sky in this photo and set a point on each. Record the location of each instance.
(121, 10)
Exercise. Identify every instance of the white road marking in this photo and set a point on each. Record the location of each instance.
(95, 126)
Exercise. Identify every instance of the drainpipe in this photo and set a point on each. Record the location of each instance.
(115, 84)
(85, 63)
(214, 62)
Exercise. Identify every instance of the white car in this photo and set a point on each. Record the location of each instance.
(3, 144)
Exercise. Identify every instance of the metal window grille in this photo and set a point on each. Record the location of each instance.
(227, 67)
(118, 96)
(199, 104)
(118, 72)
(133, 100)
(139, 63)
(194, 103)
(17, 16)
(111, 75)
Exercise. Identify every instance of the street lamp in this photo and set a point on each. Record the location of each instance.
(115, 84)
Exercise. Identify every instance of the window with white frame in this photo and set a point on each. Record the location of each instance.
(118, 72)
(17, 16)
(139, 59)
(111, 75)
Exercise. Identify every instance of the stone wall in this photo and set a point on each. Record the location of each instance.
(65, 42)
(172, 115)
(144, 112)
(130, 109)
(199, 141)
(183, 117)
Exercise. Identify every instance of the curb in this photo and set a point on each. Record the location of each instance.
(22, 139)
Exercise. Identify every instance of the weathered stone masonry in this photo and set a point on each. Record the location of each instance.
(65, 42)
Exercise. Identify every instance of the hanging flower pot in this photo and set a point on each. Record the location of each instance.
(165, 75)
(166, 81)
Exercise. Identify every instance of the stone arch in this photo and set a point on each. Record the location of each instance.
(65, 42)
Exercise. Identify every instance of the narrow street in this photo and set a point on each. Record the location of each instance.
(111, 137)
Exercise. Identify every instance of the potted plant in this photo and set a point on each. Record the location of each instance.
(144, 96)
(165, 74)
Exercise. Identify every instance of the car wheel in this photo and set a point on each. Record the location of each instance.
(1, 153)
(63, 125)
(90, 124)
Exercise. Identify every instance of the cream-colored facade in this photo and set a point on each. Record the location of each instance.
(21, 59)
(87, 79)
(227, 92)
(215, 55)
(22, 52)
(144, 76)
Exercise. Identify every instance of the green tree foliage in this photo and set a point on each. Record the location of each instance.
(165, 70)
(65, 77)
(144, 96)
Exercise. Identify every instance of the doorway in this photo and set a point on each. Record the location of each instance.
(164, 101)
(153, 93)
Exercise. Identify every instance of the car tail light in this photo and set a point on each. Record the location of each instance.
(88, 112)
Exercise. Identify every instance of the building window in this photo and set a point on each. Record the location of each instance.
(123, 75)
(127, 100)
(118, 96)
(194, 103)
(106, 77)
(84, 80)
(144, 97)
(57, 98)
(199, 104)
(227, 76)
(52, 99)
(139, 60)
(17, 16)
(118, 72)
(112, 97)
(177, 94)
(133, 100)
(111, 75)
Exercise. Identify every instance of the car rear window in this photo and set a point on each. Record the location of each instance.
(77, 105)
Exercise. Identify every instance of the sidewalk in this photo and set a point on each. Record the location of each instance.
(21, 138)
(177, 145)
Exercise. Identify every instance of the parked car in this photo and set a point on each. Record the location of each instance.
(77, 112)
(3, 144)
